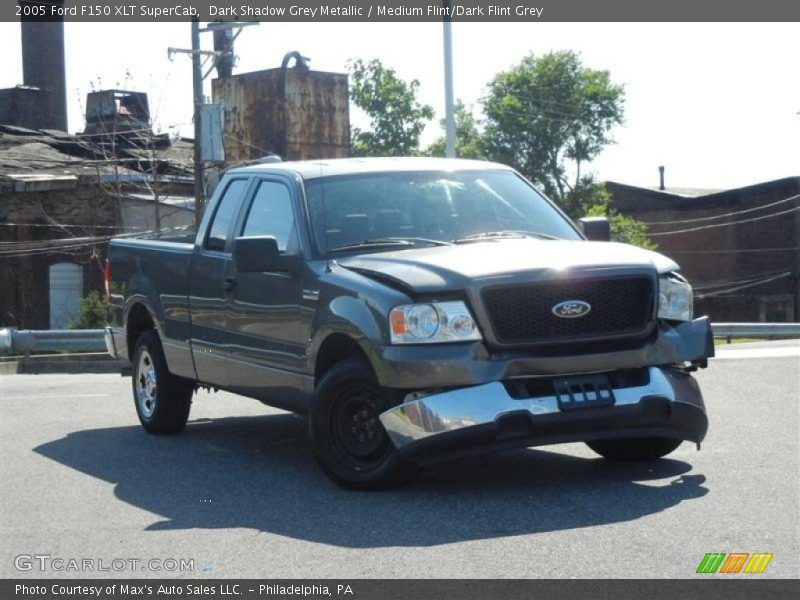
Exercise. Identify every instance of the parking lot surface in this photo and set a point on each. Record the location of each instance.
(239, 495)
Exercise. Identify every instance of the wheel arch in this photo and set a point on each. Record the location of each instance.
(139, 319)
(334, 348)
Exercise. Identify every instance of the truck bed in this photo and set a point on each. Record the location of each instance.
(155, 271)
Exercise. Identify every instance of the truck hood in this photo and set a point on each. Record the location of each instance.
(440, 268)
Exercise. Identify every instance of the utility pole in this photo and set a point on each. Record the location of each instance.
(197, 86)
(219, 55)
(449, 116)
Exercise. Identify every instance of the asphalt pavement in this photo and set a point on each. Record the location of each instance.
(239, 495)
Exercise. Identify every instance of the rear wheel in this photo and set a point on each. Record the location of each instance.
(634, 448)
(349, 441)
(162, 400)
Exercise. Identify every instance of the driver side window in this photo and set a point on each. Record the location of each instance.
(271, 213)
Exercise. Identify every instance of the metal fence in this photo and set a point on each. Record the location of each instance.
(13, 341)
(756, 330)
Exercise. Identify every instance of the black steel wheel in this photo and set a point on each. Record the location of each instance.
(349, 441)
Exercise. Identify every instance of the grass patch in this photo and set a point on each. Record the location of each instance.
(724, 341)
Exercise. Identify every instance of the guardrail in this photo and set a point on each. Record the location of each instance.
(757, 330)
(22, 341)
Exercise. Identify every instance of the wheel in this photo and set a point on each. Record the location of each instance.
(348, 439)
(162, 400)
(634, 448)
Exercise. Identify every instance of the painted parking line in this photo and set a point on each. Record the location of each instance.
(39, 396)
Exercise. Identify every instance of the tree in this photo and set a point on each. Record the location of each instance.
(547, 117)
(594, 200)
(94, 312)
(468, 136)
(397, 118)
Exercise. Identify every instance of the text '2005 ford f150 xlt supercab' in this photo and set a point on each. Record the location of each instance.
(415, 310)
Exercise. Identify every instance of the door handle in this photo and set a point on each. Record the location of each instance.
(229, 284)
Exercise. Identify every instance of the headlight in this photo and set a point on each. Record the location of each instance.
(432, 323)
(674, 299)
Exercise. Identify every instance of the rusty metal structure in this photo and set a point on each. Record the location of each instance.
(295, 113)
(112, 111)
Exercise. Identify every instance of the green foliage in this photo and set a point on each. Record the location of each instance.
(94, 313)
(396, 117)
(468, 136)
(623, 229)
(548, 115)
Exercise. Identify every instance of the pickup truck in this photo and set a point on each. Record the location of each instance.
(415, 310)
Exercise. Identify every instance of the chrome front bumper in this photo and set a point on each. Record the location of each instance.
(468, 419)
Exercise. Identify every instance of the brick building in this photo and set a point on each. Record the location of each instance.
(744, 266)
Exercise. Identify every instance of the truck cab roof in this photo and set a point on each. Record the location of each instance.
(313, 169)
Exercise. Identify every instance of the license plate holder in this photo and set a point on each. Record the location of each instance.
(583, 391)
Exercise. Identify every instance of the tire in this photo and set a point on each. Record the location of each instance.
(349, 442)
(634, 448)
(162, 400)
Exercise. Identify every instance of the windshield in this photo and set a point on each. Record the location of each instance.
(426, 207)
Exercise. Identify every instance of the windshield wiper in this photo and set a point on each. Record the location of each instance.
(390, 241)
(487, 235)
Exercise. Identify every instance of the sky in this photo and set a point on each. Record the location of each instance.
(718, 104)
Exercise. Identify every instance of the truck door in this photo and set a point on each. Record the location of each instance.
(207, 293)
(267, 325)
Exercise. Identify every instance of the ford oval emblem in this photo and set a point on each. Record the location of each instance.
(571, 309)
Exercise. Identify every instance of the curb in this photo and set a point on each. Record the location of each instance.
(93, 362)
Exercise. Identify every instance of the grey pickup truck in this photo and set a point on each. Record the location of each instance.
(416, 310)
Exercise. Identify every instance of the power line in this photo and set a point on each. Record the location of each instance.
(42, 247)
(714, 226)
(730, 214)
(734, 251)
(59, 225)
(270, 152)
(741, 287)
(721, 283)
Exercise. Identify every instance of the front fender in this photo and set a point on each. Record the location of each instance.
(352, 317)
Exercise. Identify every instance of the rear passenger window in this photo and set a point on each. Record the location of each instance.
(226, 210)
(271, 214)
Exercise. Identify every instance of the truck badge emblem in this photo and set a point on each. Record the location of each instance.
(571, 309)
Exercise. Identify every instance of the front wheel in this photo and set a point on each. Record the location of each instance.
(348, 439)
(162, 399)
(634, 448)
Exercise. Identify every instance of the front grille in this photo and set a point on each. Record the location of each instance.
(523, 313)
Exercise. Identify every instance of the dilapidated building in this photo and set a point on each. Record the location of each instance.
(62, 197)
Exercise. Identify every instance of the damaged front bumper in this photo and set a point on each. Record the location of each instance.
(432, 366)
(665, 402)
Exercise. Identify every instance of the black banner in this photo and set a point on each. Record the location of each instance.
(394, 589)
(401, 10)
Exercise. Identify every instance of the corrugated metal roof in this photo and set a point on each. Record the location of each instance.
(54, 156)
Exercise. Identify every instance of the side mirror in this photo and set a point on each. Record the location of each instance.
(596, 229)
(260, 253)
